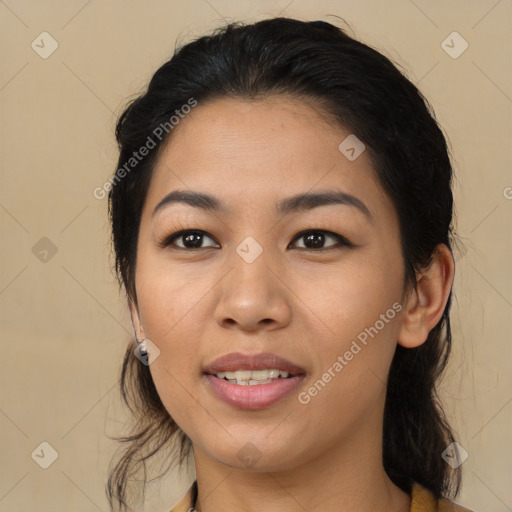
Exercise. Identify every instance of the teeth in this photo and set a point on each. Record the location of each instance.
(253, 382)
(249, 378)
(250, 382)
(242, 375)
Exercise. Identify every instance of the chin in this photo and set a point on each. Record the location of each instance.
(256, 454)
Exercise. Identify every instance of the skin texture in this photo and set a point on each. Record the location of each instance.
(304, 305)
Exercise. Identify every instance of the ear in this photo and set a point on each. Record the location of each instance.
(136, 323)
(425, 304)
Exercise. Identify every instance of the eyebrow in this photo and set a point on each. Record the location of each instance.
(296, 203)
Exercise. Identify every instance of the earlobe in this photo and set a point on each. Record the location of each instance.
(136, 322)
(426, 303)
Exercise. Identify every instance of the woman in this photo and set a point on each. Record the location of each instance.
(282, 225)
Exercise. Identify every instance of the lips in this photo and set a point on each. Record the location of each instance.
(254, 396)
(238, 361)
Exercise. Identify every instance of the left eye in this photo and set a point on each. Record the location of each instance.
(314, 239)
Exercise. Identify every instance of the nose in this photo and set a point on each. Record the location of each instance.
(253, 297)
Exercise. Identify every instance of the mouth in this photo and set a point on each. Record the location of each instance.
(252, 381)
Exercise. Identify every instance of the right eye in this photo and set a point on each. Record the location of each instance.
(190, 238)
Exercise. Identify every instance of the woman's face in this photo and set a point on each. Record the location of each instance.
(250, 283)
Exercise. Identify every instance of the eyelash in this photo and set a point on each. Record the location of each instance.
(342, 241)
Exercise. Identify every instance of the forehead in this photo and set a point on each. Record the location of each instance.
(250, 152)
(232, 127)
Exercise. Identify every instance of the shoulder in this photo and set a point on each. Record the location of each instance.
(422, 500)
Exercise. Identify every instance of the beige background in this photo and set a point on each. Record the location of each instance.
(64, 326)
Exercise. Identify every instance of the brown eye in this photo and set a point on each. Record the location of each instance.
(190, 239)
(315, 240)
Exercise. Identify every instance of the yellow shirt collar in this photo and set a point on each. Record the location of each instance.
(422, 500)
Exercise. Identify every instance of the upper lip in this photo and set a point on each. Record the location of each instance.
(238, 361)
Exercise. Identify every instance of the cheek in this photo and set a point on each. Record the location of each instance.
(170, 297)
(353, 365)
(171, 307)
(360, 311)
(348, 298)
(173, 319)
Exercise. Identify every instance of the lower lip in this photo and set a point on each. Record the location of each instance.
(258, 396)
